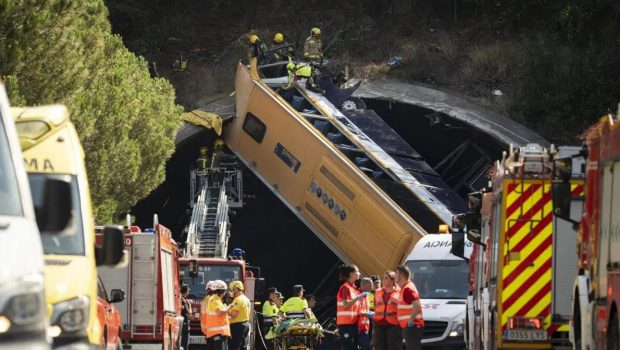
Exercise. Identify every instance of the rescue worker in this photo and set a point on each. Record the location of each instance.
(257, 48)
(296, 306)
(218, 148)
(186, 311)
(204, 304)
(409, 310)
(303, 71)
(239, 317)
(203, 160)
(363, 320)
(270, 310)
(376, 281)
(387, 334)
(313, 48)
(311, 304)
(218, 327)
(347, 307)
(280, 49)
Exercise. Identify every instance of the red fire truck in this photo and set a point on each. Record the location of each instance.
(151, 312)
(522, 266)
(596, 290)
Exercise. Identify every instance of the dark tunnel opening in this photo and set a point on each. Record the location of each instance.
(286, 251)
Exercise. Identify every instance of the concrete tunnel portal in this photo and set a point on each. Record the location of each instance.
(449, 137)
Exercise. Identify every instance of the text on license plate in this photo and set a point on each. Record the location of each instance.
(525, 335)
(197, 340)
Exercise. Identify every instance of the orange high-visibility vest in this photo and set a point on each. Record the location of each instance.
(204, 305)
(217, 324)
(387, 312)
(363, 322)
(346, 315)
(405, 310)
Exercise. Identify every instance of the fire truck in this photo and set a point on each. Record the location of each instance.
(596, 289)
(213, 192)
(521, 266)
(151, 311)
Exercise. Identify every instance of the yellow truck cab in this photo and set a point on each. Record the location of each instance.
(52, 152)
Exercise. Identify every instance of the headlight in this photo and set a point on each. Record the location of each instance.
(457, 329)
(72, 315)
(25, 308)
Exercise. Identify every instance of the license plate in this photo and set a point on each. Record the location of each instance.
(197, 340)
(525, 335)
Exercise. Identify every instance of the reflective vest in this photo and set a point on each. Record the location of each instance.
(204, 305)
(243, 305)
(217, 324)
(294, 307)
(301, 70)
(386, 313)
(270, 310)
(371, 300)
(363, 322)
(313, 48)
(405, 310)
(347, 315)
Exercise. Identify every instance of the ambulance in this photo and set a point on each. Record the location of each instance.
(442, 279)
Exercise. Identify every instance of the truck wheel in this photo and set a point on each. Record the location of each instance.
(613, 335)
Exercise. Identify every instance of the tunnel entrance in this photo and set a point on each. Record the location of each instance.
(286, 251)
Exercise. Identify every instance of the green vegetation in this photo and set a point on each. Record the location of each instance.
(55, 51)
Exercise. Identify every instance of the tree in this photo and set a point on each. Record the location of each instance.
(60, 51)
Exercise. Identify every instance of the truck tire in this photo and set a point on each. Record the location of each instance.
(613, 335)
(577, 322)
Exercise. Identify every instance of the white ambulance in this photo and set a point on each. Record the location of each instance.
(442, 280)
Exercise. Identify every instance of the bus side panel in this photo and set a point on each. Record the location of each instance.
(525, 256)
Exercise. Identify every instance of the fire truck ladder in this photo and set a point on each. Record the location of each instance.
(209, 228)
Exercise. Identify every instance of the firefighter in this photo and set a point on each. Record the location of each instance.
(296, 306)
(280, 49)
(218, 149)
(218, 327)
(204, 306)
(280, 300)
(311, 305)
(239, 317)
(347, 307)
(409, 309)
(203, 160)
(313, 48)
(257, 48)
(186, 311)
(363, 320)
(303, 71)
(387, 334)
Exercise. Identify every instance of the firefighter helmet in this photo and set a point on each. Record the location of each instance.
(210, 285)
(203, 151)
(316, 31)
(219, 285)
(254, 38)
(219, 143)
(278, 38)
(236, 284)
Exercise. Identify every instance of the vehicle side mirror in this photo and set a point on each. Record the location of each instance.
(474, 201)
(260, 286)
(563, 169)
(474, 227)
(111, 251)
(561, 196)
(458, 244)
(117, 295)
(458, 222)
(56, 210)
(193, 268)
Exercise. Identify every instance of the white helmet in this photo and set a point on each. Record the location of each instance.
(210, 285)
(219, 285)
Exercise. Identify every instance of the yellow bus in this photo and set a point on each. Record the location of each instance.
(52, 152)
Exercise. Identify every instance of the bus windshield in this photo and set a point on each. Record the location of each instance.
(440, 279)
(71, 242)
(11, 202)
(206, 273)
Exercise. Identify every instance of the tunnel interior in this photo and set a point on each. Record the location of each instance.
(286, 251)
